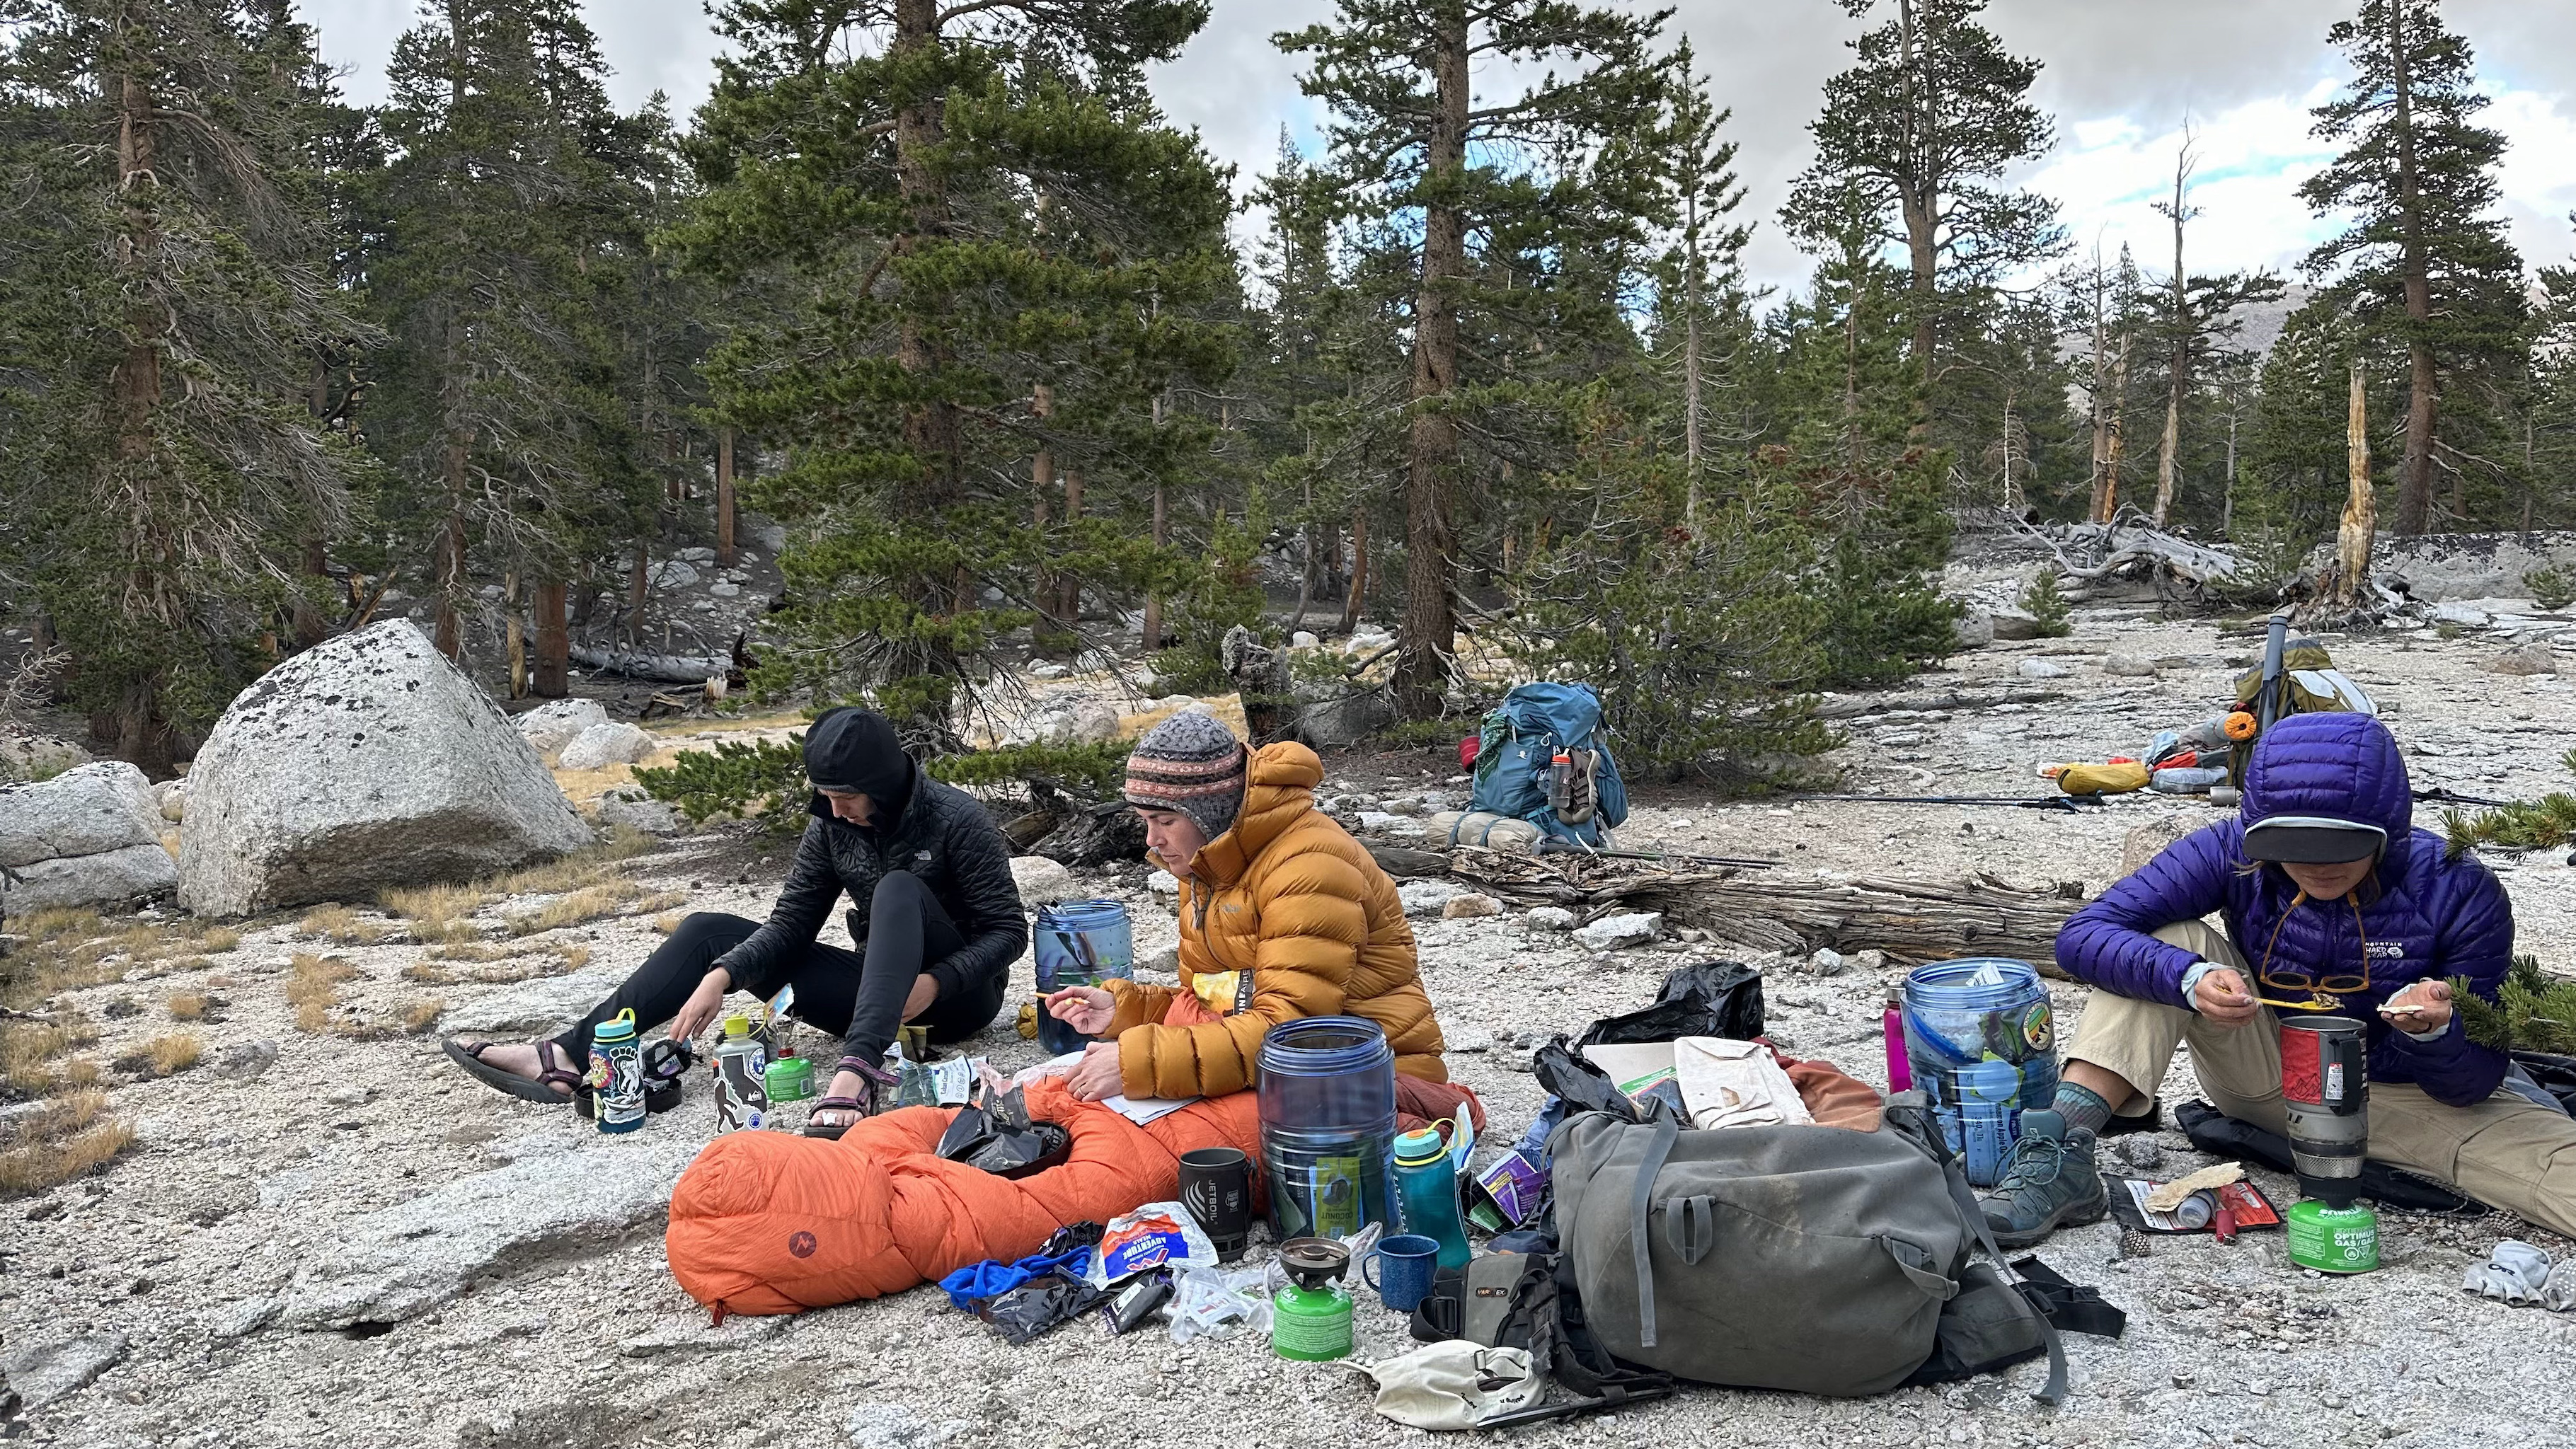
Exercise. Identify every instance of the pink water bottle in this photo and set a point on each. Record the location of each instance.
(1900, 1071)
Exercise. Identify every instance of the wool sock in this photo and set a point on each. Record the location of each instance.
(2081, 1107)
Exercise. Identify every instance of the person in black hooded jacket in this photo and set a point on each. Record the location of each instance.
(935, 913)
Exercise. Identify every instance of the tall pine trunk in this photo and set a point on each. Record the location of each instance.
(1690, 367)
(137, 727)
(724, 498)
(2360, 523)
(2169, 448)
(1359, 569)
(2423, 400)
(1919, 198)
(1430, 621)
(2098, 510)
(551, 676)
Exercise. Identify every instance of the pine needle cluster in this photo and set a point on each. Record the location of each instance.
(2522, 825)
(2534, 1012)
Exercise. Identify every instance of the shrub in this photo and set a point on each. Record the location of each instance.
(2043, 602)
(2553, 587)
(2536, 1011)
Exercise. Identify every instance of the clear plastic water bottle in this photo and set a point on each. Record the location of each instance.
(742, 1096)
(616, 1079)
(1426, 1194)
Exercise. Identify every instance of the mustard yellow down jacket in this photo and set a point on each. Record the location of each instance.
(1284, 916)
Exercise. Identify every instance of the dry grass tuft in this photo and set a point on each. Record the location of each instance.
(69, 1137)
(28, 1050)
(188, 1006)
(174, 1054)
(576, 957)
(341, 926)
(439, 912)
(668, 921)
(420, 1015)
(219, 940)
(574, 907)
(429, 975)
(314, 988)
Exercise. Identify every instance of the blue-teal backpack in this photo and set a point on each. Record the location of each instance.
(1519, 745)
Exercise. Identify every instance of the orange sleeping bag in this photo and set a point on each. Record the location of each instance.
(770, 1222)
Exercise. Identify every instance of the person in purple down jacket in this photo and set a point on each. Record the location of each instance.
(2326, 889)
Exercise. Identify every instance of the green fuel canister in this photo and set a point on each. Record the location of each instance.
(2333, 1239)
(1310, 1319)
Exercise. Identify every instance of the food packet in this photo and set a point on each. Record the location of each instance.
(1157, 1235)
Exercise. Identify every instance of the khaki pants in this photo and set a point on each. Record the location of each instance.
(2507, 1151)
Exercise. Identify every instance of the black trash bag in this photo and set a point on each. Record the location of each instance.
(998, 1137)
(1084, 1234)
(1562, 1072)
(1704, 998)
(1039, 1306)
(2555, 1074)
(2224, 1136)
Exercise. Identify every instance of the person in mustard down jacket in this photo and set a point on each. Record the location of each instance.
(1283, 916)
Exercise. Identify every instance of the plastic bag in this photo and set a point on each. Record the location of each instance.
(996, 1135)
(1705, 998)
(1157, 1235)
(1039, 1306)
(1208, 1302)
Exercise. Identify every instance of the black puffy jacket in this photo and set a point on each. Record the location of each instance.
(942, 836)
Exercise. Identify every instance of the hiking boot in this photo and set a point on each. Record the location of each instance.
(2049, 1182)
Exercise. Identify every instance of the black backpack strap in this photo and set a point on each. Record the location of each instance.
(2072, 1306)
(2054, 1392)
(1640, 1208)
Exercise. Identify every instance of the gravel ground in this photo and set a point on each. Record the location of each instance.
(541, 1312)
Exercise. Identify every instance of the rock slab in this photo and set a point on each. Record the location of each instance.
(602, 745)
(90, 834)
(1044, 882)
(399, 1262)
(550, 727)
(44, 1372)
(548, 1003)
(1612, 933)
(365, 762)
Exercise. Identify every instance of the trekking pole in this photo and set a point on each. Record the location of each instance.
(2071, 804)
(2441, 795)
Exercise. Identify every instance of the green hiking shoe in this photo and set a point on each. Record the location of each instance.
(2050, 1182)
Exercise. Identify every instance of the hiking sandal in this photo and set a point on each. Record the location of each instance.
(551, 1072)
(875, 1094)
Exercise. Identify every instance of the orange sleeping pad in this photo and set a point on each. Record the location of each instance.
(770, 1222)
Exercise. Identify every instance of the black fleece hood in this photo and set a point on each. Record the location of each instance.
(850, 749)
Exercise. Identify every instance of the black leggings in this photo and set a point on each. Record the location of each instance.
(858, 998)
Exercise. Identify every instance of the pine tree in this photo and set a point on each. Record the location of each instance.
(494, 235)
(170, 287)
(2201, 315)
(1002, 284)
(2424, 262)
(1925, 126)
(1526, 206)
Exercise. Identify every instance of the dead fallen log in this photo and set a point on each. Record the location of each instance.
(662, 668)
(1912, 921)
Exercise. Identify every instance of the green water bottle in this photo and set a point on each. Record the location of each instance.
(1426, 1194)
(1310, 1319)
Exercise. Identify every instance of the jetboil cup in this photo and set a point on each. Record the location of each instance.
(2325, 1085)
(1216, 1186)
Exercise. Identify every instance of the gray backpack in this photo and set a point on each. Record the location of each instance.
(1812, 1259)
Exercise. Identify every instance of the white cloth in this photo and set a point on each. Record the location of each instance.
(1735, 1084)
(1455, 1385)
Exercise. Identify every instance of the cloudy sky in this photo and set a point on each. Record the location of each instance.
(2120, 76)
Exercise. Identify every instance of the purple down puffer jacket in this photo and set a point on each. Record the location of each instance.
(2421, 914)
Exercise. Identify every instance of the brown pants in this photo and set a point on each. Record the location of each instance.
(2507, 1151)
